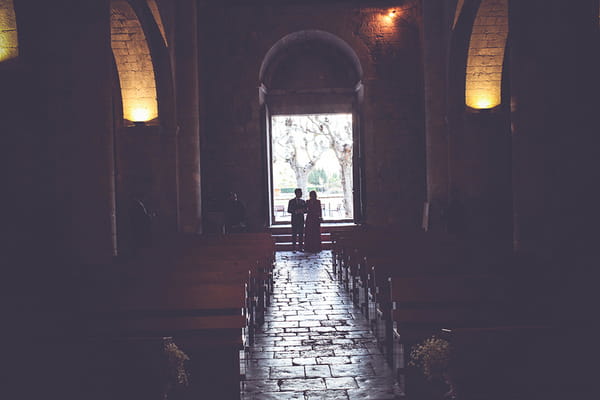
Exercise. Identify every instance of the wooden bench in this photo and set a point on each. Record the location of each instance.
(204, 291)
(213, 258)
(419, 306)
(206, 320)
(523, 362)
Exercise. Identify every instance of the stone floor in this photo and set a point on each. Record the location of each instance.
(314, 344)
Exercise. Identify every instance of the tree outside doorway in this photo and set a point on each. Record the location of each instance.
(313, 152)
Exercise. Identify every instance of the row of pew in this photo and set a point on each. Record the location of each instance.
(206, 292)
(411, 285)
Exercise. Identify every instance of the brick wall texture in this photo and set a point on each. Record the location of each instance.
(134, 64)
(9, 47)
(486, 54)
(234, 42)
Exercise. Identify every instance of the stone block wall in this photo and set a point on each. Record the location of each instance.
(486, 55)
(134, 64)
(9, 44)
(234, 41)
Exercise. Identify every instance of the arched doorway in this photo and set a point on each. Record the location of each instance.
(310, 95)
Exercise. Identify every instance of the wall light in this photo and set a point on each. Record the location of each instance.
(389, 16)
(139, 114)
(386, 18)
(483, 100)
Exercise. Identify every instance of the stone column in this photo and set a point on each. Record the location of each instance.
(187, 98)
(434, 61)
(66, 49)
(93, 212)
(554, 92)
(554, 98)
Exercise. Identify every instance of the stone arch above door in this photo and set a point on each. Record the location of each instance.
(336, 61)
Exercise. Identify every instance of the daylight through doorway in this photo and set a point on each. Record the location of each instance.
(313, 152)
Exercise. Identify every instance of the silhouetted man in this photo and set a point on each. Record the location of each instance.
(297, 207)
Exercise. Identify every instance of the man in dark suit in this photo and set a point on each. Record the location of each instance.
(297, 207)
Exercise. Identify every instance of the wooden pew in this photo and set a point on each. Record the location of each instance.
(203, 291)
(523, 362)
(376, 269)
(204, 319)
(422, 305)
(249, 257)
(373, 255)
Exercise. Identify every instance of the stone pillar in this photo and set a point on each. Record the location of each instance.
(434, 61)
(66, 49)
(187, 89)
(93, 211)
(554, 92)
(554, 100)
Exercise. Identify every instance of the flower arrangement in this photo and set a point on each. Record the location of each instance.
(432, 356)
(175, 359)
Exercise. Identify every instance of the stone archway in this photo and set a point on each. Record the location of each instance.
(312, 72)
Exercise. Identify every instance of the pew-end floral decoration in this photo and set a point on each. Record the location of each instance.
(432, 357)
(175, 371)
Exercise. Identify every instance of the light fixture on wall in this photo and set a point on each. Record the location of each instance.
(139, 115)
(483, 99)
(387, 18)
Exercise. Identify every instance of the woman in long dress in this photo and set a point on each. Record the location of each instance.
(312, 230)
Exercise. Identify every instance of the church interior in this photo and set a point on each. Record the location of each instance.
(475, 154)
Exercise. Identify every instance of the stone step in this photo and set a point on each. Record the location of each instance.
(287, 246)
(325, 228)
(287, 237)
(283, 235)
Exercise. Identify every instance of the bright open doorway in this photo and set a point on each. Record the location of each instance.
(313, 152)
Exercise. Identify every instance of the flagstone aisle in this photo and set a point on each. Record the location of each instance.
(314, 344)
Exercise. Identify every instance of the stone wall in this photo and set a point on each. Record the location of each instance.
(134, 64)
(234, 41)
(486, 55)
(9, 44)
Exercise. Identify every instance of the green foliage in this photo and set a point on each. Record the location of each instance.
(317, 177)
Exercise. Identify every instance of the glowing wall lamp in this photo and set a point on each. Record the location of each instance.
(140, 114)
(139, 101)
(388, 17)
(9, 45)
(483, 98)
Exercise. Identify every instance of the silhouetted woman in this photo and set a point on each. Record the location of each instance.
(312, 231)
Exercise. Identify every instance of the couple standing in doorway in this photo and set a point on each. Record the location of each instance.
(306, 235)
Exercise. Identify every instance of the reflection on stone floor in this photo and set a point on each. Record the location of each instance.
(314, 344)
